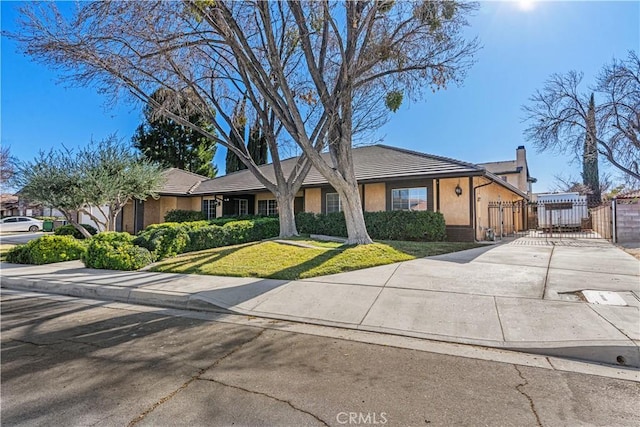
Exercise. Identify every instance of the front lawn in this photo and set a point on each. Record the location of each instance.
(301, 258)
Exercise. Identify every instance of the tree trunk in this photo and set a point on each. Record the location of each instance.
(69, 216)
(354, 216)
(286, 215)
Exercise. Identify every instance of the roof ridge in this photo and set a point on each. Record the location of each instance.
(188, 172)
(430, 156)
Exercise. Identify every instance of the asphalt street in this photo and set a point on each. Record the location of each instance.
(68, 362)
(20, 238)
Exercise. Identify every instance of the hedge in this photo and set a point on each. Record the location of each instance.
(47, 250)
(169, 239)
(115, 251)
(70, 230)
(181, 215)
(385, 225)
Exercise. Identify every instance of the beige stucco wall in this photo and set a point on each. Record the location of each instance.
(313, 200)
(128, 217)
(155, 210)
(189, 203)
(375, 197)
(493, 193)
(455, 208)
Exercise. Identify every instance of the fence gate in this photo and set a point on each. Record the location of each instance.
(508, 218)
(551, 219)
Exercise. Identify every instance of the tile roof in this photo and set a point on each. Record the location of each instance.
(373, 162)
(180, 182)
(629, 195)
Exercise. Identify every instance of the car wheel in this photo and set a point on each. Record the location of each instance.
(33, 228)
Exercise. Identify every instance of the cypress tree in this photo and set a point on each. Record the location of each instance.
(590, 173)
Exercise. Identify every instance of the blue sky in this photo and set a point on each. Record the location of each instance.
(523, 44)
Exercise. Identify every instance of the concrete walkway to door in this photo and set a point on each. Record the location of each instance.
(522, 295)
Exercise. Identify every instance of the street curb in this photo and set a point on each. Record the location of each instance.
(611, 352)
(163, 299)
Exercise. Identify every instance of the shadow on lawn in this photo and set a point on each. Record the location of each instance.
(194, 260)
(293, 272)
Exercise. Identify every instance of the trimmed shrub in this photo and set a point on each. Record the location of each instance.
(406, 225)
(19, 255)
(169, 239)
(70, 230)
(385, 225)
(207, 237)
(47, 250)
(115, 251)
(165, 240)
(182, 215)
(332, 224)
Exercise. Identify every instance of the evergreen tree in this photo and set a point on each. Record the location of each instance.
(590, 173)
(162, 140)
(257, 145)
(232, 162)
(256, 142)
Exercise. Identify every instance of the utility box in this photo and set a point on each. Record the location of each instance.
(47, 225)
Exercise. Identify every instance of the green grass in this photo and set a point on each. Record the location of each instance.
(283, 261)
(4, 248)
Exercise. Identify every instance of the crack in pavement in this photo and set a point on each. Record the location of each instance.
(266, 395)
(531, 404)
(186, 384)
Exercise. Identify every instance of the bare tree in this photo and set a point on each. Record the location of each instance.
(559, 116)
(619, 84)
(300, 65)
(141, 48)
(349, 48)
(7, 165)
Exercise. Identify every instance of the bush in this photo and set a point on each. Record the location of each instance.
(47, 250)
(19, 255)
(70, 230)
(181, 215)
(391, 225)
(169, 239)
(207, 237)
(115, 251)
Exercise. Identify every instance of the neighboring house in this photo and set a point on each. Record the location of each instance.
(176, 193)
(15, 205)
(9, 205)
(389, 178)
(515, 172)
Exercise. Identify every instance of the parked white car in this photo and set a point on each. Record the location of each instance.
(20, 223)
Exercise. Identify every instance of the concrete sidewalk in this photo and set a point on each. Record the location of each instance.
(522, 296)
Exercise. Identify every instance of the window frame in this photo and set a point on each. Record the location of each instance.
(210, 211)
(326, 200)
(409, 198)
(271, 207)
(242, 202)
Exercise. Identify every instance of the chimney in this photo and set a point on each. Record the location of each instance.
(521, 164)
(521, 156)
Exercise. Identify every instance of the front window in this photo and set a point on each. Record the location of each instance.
(267, 207)
(243, 207)
(333, 203)
(209, 209)
(409, 199)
